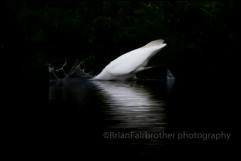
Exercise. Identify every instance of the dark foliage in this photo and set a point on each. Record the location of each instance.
(198, 34)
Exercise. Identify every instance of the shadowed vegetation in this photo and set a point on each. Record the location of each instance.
(199, 35)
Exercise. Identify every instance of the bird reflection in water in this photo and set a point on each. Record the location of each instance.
(124, 104)
(131, 105)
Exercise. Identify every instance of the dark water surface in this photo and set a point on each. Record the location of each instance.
(122, 104)
(104, 116)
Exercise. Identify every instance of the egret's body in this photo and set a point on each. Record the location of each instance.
(127, 65)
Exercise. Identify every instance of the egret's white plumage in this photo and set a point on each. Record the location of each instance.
(127, 65)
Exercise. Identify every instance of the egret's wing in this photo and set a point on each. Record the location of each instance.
(154, 43)
(131, 61)
(127, 63)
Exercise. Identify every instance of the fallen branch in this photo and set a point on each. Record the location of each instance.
(74, 70)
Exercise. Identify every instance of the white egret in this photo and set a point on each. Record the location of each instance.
(127, 65)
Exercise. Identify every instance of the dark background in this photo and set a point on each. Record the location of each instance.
(200, 35)
(201, 39)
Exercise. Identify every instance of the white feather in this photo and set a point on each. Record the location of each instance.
(127, 65)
